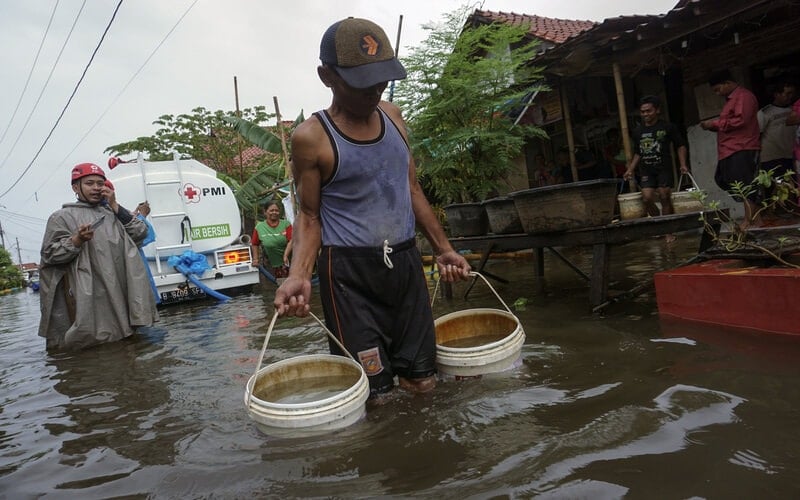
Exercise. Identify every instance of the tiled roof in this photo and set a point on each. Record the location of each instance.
(546, 28)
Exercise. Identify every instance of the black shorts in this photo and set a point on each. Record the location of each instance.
(740, 166)
(656, 177)
(382, 315)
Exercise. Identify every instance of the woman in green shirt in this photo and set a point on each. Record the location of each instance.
(272, 241)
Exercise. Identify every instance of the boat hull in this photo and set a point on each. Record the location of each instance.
(734, 293)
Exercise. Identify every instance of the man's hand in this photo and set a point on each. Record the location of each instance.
(293, 296)
(452, 266)
(84, 233)
(684, 169)
(628, 174)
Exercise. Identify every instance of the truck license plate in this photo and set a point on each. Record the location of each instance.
(181, 295)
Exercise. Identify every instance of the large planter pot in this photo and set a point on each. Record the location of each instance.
(466, 219)
(502, 215)
(566, 206)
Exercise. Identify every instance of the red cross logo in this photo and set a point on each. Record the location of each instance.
(191, 193)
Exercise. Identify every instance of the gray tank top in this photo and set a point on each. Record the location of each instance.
(367, 200)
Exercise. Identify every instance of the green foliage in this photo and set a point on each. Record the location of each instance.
(262, 185)
(10, 275)
(461, 85)
(205, 136)
(217, 139)
(776, 192)
(259, 136)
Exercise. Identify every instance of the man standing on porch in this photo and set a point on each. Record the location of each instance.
(653, 142)
(738, 140)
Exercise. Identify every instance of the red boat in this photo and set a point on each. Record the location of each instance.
(732, 292)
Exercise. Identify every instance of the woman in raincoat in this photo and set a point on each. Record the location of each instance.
(94, 287)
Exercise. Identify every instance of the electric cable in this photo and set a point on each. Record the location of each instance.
(41, 93)
(66, 106)
(27, 81)
(124, 88)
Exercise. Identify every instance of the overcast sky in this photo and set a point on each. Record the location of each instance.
(271, 47)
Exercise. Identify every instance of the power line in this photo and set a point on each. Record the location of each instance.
(124, 88)
(74, 91)
(33, 66)
(41, 93)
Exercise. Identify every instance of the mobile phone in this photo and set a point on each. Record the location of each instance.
(97, 223)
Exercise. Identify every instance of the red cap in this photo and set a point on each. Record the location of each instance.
(109, 184)
(85, 169)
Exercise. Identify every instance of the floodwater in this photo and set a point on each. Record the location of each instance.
(613, 406)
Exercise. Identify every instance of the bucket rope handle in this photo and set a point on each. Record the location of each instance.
(475, 274)
(622, 185)
(332, 336)
(266, 340)
(261, 356)
(691, 178)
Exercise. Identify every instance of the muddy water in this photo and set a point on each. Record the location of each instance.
(600, 407)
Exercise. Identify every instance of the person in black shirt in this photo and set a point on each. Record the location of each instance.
(652, 142)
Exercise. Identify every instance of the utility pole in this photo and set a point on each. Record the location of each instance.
(19, 255)
(238, 139)
(2, 238)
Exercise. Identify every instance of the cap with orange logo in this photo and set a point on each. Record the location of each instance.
(361, 53)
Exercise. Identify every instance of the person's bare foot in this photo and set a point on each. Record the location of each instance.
(418, 385)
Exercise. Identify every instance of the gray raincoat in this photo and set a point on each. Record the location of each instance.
(98, 292)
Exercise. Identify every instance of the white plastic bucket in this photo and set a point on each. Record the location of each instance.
(478, 341)
(688, 201)
(306, 395)
(631, 206)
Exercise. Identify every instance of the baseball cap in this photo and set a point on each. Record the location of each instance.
(84, 169)
(361, 53)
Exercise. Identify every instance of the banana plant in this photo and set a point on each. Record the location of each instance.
(263, 184)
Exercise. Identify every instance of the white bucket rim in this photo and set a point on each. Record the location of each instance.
(484, 347)
(311, 406)
(487, 357)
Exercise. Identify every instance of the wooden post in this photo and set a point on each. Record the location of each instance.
(568, 127)
(623, 122)
(287, 167)
(238, 139)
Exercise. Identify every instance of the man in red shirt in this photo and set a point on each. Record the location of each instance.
(738, 140)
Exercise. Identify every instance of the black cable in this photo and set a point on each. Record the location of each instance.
(44, 87)
(35, 59)
(74, 91)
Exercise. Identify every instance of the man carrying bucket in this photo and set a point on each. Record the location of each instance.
(653, 141)
(359, 200)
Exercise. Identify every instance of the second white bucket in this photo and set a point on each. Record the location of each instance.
(478, 341)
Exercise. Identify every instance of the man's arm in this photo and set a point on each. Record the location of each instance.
(682, 156)
(293, 296)
(631, 166)
(794, 116)
(677, 140)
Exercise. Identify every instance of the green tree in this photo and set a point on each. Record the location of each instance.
(462, 84)
(10, 274)
(205, 136)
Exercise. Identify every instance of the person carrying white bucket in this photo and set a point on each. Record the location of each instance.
(359, 202)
